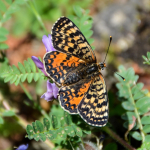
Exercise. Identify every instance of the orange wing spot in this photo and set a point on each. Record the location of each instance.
(76, 100)
(49, 67)
(52, 56)
(49, 61)
(72, 107)
(67, 104)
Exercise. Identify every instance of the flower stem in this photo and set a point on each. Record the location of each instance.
(37, 16)
(137, 116)
(117, 138)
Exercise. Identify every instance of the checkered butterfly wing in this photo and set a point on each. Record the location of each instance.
(67, 38)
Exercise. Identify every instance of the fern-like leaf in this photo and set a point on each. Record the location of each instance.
(41, 131)
(137, 103)
(24, 72)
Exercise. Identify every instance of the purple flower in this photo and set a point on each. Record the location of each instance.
(52, 89)
(22, 147)
(48, 43)
(39, 64)
(52, 92)
(49, 47)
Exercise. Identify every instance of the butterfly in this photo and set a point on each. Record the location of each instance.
(74, 69)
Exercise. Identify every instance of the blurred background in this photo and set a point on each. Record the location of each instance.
(127, 21)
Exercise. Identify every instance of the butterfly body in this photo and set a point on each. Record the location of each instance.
(74, 69)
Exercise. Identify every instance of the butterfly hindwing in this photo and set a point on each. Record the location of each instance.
(93, 108)
(70, 96)
(67, 38)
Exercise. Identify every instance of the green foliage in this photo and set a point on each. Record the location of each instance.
(112, 146)
(6, 113)
(84, 22)
(136, 104)
(145, 146)
(52, 129)
(49, 11)
(7, 7)
(147, 59)
(27, 71)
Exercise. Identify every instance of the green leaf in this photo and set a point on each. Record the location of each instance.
(89, 34)
(30, 137)
(146, 129)
(36, 137)
(32, 65)
(145, 146)
(15, 69)
(137, 88)
(42, 137)
(62, 122)
(77, 130)
(2, 6)
(8, 113)
(29, 130)
(36, 76)
(128, 115)
(46, 123)
(61, 133)
(3, 31)
(21, 67)
(52, 135)
(147, 138)
(17, 81)
(145, 120)
(136, 135)
(39, 126)
(1, 120)
(143, 101)
(138, 95)
(34, 127)
(70, 131)
(23, 77)
(67, 118)
(27, 66)
(8, 78)
(127, 105)
(54, 122)
(78, 11)
(3, 38)
(30, 77)
(3, 46)
(144, 57)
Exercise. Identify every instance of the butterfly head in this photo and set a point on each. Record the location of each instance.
(102, 65)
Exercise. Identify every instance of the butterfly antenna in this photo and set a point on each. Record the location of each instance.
(121, 76)
(108, 48)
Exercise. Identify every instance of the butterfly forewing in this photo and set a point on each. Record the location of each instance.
(67, 38)
(59, 65)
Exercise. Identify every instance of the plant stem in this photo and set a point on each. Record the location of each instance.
(37, 16)
(137, 115)
(27, 93)
(116, 137)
